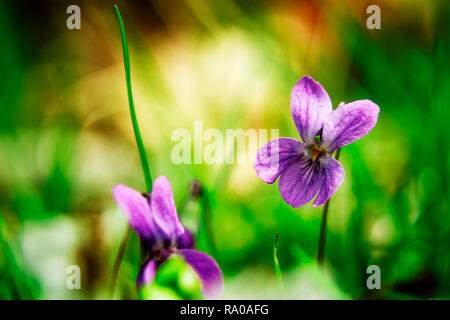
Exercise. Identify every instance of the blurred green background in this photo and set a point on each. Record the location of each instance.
(66, 139)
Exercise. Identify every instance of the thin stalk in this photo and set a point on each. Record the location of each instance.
(206, 221)
(120, 253)
(277, 264)
(142, 153)
(137, 133)
(323, 227)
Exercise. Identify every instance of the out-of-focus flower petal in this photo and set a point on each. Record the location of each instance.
(136, 209)
(164, 211)
(334, 175)
(310, 105)
(349, 123)
(301, 181)
(275, 156)
(207, 270)
(147, 273)
(186, 241)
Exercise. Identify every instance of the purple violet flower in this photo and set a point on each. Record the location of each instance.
(154, 218)
(307, 169)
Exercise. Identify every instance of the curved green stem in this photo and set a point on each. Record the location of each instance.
(120, 253)
(140, 145)
(277, 264)
(323, 227)
(137, 133)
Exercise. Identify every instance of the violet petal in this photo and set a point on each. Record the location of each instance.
(164, 211)
(310, 105)
(334, 175)
(147, 273)
(301, 181)
(275, 156)
(207, 270)
(136, 209)
(186, 241)
(348, 123)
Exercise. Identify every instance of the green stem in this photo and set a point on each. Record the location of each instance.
(206, 221)
(142, 153)
(323, 227)
(137, 133)
(120, 253)
(277, 265)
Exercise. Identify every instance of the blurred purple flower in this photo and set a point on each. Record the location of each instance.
(154, 218)
(307, 168)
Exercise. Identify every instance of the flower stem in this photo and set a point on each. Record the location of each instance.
(118, 261)
(277, 265)
(142, 153)
(323, 227)
(206, 221)
(137, 133)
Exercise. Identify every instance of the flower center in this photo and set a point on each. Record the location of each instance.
(158, 254)
(316, 152)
